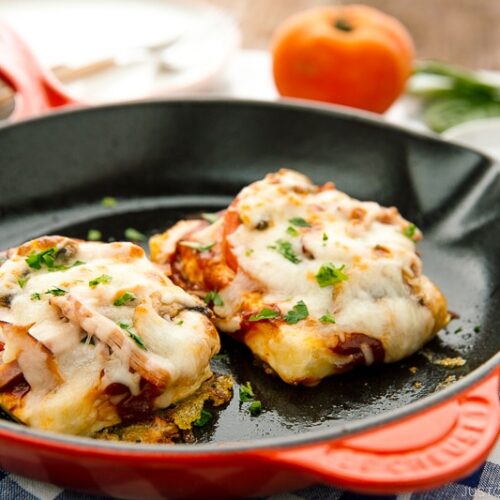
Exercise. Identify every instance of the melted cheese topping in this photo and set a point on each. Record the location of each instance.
(72, 338)
(289, 231)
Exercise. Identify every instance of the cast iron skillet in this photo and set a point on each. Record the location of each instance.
(168, 160)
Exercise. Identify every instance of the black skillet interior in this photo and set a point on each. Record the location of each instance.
(169, 160)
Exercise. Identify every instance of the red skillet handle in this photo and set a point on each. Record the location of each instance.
(37, 90)
(421, 452)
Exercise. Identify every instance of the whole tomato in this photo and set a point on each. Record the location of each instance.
(352, 55)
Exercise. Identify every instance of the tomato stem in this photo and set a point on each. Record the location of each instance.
(343, 24)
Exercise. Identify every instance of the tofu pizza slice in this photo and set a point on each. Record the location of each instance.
(313, 281)
(94, 334)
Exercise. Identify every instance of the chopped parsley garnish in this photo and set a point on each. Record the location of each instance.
(328, 275)
(325, 237)
(297, 313)
(285, 248)
(327, 318)
(132, 234)
(45, 258)
(56, 291)
(180, 323)
(205, 417)
(477, 328)
(94, 235)
(292, 231)
(299, 222)
(265, 313)
(246, 392)
(124, 298)
(255, 408)
(409, 231)
(247, 396)
(458, 330)
(48, 258)
(103, 279)
(248, 252)
(133, 335)
(35, 296)
(213, 298)
(210, 217)
(108, 202)
(22, 281)
(196, 245)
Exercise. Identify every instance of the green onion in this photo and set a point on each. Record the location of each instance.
(124, 298)
(292, 231)
(213, 298)
(299, 222)
(22, 281)
(327, 318)
(409, 231)
(94, 235)
(56, 291)
(195, 245)
(210, 217)
(133, 335)
(205, 417)
(102, 279)
(108, 202)
(285, 248)
(132, 234)
(246, 392)
(255, 408)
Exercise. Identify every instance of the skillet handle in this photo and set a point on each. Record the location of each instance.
(37, 90)
(421, 452)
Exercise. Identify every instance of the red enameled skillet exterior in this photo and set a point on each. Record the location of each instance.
(426, 443)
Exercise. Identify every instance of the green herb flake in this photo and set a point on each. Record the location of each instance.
(297, 313)
(255, 408)
(328, 275)
(248, 252)
(180, 322)
(132, 234)
(22, 281)
(325, 237)
(37, 260)
(265, 313)
(56, 291)
(108, 202)
(477, 328)
(94, 235)
(205, 417)
(103, 279)
(409, 231)
(327, 318)
(210, 217)
(124, 298)
(299, 222)
(214, 298)
(35, 296)
(246, 392)
(133, 335)
(195, 245)
(285, 248)
(292, 231)
(458, 330)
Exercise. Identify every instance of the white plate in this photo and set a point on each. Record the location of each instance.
(78, 31)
